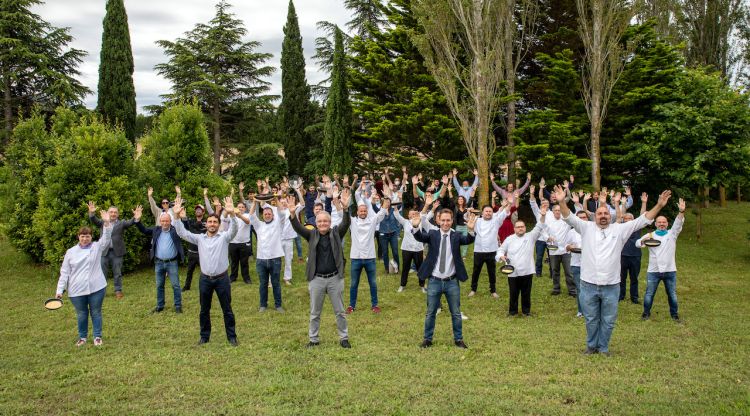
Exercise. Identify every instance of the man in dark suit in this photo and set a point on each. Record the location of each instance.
(166, 253)
(113, 254)
(442, 267)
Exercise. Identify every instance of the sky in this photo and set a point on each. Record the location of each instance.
(152, 20)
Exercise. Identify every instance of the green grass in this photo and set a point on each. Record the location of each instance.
(151, 365)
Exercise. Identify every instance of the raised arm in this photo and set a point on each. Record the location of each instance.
(92, 214)
(522, 189)
(155, 210)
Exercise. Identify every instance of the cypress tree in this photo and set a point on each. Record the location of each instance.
(294, 111)
(337, 147)
(116, 95)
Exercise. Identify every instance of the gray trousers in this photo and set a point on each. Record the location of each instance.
(318, 288)
(115, 262)
(554, 262)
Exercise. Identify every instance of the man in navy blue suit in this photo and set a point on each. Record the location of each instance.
(443, 267)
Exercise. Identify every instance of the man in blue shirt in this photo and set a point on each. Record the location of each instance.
(389, 232)
(166, 253)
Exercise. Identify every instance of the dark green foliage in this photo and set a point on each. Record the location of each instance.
(294, 110)
(116, 92)
(258, 162)
(337, 147)
(97, 165)
(36, 66)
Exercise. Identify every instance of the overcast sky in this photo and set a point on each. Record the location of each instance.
(152, 20)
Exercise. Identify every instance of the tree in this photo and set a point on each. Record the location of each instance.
(337, 147)
(259, 162)
(602, 24)
(215, 65)
(116, 92)
(294, 111)
(462, 47)
(367, 17)
(36, 66)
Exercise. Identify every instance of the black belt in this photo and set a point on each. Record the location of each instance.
(443, 278)
(216, 277)
(167, 261)
(327, 276)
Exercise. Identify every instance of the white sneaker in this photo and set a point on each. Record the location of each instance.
(438, 311)
(495, 295)
(464, 317)
(579, 315)
(400, 289)
(412, 271)
(424, 290)
(472, 293)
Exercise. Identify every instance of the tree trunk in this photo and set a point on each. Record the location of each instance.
(739, 193)
(722, 196)
(596, 129)
(511, 126)
(705, 198)
(8, 110)
(216, 115)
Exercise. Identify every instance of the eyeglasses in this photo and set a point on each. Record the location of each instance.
(164, 202)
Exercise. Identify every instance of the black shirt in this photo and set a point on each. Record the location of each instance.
(196, 227)
(324, 261)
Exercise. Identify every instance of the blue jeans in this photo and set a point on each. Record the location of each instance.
(85, 305)
(576, 272)
(435, 289)
(269, 269)
(670, 286)
(392, 240)
(298, 244)
(369, 266)
(599, 306)
(540, 248)
(162, 269)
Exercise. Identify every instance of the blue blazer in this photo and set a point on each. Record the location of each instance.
(155, 232)
(432, 238)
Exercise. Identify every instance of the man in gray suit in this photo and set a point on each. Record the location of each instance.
(113, 254)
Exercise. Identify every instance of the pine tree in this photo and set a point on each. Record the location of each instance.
(294, 111)
(116, 92)
(337, 148)
(36, 66)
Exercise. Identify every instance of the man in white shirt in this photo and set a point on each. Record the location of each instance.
(518, 250)
(362, 252)
(269, 251)
(558, 234)
(485, 245)
(411, 249)
(600, 267)
(240, 246)
(661, 262)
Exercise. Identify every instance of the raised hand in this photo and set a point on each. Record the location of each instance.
(229, 205)
(205, 192)
(445, 180)
(415, 221)
(92, 207)
(542, 183)
(346, 195)
(603, 196)
(471, 221)
(177, 189)
(494, 195)
(528, 175)
(572, 179)
(565, 183)
(414, 180)
(137, 212)
(492, 176)
(455, 172)
(428, 199)
(559, 193)
(664, 198)
(628, 192)
(681, 205)
(532, 188)
(242, 187)
(616, 199)
(644, 197)
(574, 196)
(178, 204)
(475, 172)
(543, 209)
(150, 191)
(105, 216)
(403, 169)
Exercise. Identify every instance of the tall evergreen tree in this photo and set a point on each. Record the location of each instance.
(116, 92)
(213, 64)
(337, 147)
(294, 111)
(36, 66)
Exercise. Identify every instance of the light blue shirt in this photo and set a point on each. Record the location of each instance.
(165, 248)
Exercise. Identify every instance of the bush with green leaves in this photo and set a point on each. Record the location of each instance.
(258, 162)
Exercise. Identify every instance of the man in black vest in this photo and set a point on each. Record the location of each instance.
(442, 267)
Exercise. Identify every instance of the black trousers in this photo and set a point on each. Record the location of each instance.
(193, 262)
(629, 265)
(238, 255)
(223, 290)
(479, 260)
(522, 285)
(408, 256)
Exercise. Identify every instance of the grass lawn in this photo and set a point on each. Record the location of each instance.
(150, 364)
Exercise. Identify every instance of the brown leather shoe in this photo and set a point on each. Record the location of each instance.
(118, 295)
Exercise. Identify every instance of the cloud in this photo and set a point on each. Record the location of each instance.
(150, 21)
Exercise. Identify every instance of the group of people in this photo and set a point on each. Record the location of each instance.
(593, 238)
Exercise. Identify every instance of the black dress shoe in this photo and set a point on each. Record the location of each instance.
(186, 288)
(312, 344)
(203, 341)
(426, 344)
(248, 281)
(589, 351)
(233, 342)
(345, 343)
(157, 310)
(461, 344)
(645, 317)
(635, 301)
(178, 309)
(553, 293)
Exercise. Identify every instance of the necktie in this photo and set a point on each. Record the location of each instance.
(443, 251)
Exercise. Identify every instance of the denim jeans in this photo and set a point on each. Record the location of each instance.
(670, 286)
(89, 304)
(464, 230)
(369, 266)
(540, 248)
(223, 289)
(389, 239)
(269, 269)
(576, 271)
(435, 289)
(162, 269)
(599, 306)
